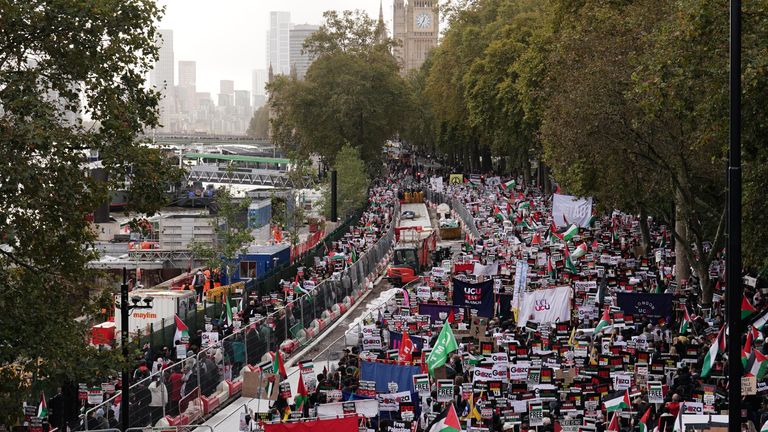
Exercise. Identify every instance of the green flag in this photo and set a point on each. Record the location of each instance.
(445, 344)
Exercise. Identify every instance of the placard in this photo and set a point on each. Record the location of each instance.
(372, 342)
(95, 396)
(536, 415)
(209, 339)
(421, 384)
(444, 390)
(748, 385)
(655, 392)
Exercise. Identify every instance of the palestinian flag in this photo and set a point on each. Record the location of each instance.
(757, 365)
(354, 255)
(570, 232)
(747, 349)
(760, 322)
(617, 402)
(498, 213)
(580, 251)
(765, 427)
(644, 420)
(509, 185)
(614, 426)
(604, 321)
(568, 263)
(447, 421)
(301, 394)
(278, 367)
(182, 331)
(553, 233)
(228, 309)
(551, 268)
(525, 205)
(42, 409)
(686, 321)
(746, 308)
(718, 346)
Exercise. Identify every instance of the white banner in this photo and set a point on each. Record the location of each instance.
(567, 209)
(391, 401)
(545, 306)
(486, 270)
(436, 183)
(367, 407)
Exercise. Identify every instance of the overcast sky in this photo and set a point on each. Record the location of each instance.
(227, 37)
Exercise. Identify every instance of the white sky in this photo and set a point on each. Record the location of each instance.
(227, 37)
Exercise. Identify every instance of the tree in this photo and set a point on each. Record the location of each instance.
(61, 62)
(352, 93)
(258, 127)
(352, 183)
(231, 234)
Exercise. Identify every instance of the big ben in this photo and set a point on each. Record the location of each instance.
(416, 27)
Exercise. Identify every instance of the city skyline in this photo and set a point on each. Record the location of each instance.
(228, 42)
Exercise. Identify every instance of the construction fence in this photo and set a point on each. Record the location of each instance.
(192, 389)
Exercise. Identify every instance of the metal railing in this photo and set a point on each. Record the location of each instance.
(195, 387)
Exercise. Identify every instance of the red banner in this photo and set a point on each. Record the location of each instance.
(346, 424)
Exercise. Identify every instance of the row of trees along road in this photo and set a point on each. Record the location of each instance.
(626, 101)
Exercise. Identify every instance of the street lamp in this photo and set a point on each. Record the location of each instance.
(125, 313)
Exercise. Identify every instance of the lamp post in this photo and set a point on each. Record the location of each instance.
(733, 250)
(125, 310)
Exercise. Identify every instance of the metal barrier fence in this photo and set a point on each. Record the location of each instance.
(458, 208)
(191, 389)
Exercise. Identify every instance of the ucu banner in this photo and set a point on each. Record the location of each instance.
(474, 296)
(545, 306)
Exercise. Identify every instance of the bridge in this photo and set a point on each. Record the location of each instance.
(244, 170)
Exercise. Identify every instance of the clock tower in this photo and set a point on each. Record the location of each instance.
(416, 27)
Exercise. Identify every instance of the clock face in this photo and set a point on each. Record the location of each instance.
(423, 20)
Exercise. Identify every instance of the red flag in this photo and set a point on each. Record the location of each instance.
(451, 317)
(406, 348)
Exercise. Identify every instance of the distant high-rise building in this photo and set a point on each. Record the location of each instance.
(185, 91)
(227, 87)
(258, 92)
(299, 59)
(242, 98)
(187, 73)
(162, 74)
(278, 42)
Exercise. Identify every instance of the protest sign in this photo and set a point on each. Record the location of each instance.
(421, 384)
(655, 392)
(444, 390)
(536, 415)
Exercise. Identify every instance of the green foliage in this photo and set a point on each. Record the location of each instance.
(352, 183)
(60, 60)
(352, 93)
(231, 233)
(258, 127)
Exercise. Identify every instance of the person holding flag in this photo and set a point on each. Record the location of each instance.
(446, 344)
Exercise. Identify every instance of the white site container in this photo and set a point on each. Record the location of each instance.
(165, 305)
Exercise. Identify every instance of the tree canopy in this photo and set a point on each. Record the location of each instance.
(352, 93)
(62, 62)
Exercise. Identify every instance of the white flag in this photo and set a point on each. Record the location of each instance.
(545, 306)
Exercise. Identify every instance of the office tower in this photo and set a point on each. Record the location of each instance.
(187, 73)
(161, 76)
(258, 81)
(242, 98)
(278, 46)
(299, 60)
(226, 93)
(186, 100)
